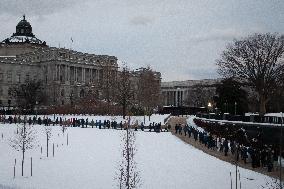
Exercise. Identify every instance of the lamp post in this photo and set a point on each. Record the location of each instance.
(209, 108)
(280, 175)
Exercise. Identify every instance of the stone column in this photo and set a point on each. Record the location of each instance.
(97, 75)
(83, 75)
(66, 73)
(181, 98)
(55, 73)
(174, 99)
(91, 75)
(75, 74)
(59, 71)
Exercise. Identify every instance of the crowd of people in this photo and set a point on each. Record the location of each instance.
(235, 143)
(83, 123)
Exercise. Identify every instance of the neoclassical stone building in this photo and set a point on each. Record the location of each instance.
(66, 75)
(192, 93)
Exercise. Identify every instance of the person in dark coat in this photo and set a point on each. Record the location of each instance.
(92, 123)
(34, 120)
(176, 128)
(195, 134)
(142, 126)
(100, 124)
(185, 129)
(180, 129)
(87, 122)
(121, 125)
(30, 121)
(169, 127)
(226, 147)
(189, 132)
(39, 120)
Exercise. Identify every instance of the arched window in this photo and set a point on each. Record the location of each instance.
(82, 93)
(62, 92)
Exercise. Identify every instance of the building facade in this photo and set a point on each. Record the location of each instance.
(191, 93)
(66, 75)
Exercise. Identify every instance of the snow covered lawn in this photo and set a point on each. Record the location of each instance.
(93, 155)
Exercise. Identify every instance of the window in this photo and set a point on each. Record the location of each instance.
(1, 77)
(1, 91)
(27, 77)
(9, 76)
(82, 93)
(62, 92)
(18, 78)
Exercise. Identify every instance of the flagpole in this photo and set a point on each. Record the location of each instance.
(71, 43)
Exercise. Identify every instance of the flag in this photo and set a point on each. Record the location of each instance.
(71, 39)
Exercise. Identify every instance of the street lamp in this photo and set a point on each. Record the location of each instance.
(280, 176)
(209, 108)
(235, 108)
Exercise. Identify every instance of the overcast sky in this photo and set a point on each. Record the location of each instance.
(180, 38)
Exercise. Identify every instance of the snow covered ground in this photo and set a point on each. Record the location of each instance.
(93, 155)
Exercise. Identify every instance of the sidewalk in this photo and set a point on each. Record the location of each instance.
(174, 120)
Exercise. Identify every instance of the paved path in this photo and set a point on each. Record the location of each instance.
(182, 120)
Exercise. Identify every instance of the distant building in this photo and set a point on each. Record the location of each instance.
(191, 93)
(66, 74)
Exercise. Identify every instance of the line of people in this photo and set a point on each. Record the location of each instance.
(83, 123)
(265, 156)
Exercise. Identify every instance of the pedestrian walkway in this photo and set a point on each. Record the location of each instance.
(220, 155)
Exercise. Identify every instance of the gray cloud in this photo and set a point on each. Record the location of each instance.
(34, 7)
(141, 20)
(225, 34)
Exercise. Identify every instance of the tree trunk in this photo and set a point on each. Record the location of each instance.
(47, 145)
(23, 151)
(124, 110)
(128, 160)
(262, 105)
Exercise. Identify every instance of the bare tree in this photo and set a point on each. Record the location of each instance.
(29, 94)
(124, 94)
(48, 132)
(255, 61)
(148, 92)
(24, 140)
(128, 176)
(199, 96)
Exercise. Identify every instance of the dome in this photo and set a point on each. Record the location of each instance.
(24, 28)
(24, 23)
(24, 34)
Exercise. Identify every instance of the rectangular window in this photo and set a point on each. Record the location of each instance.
(19, 78)
(1, 77)
(9, 76)
(27, 77)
